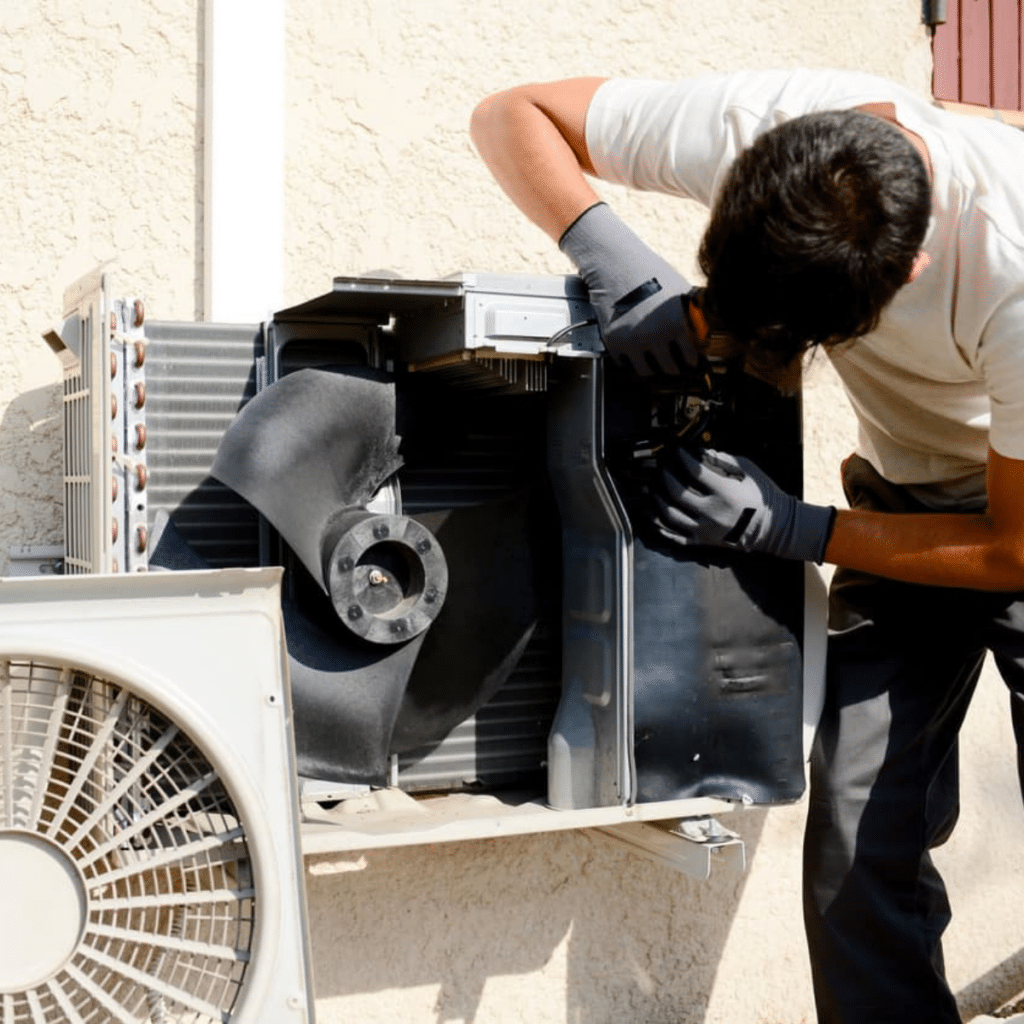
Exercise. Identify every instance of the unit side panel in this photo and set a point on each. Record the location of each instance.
(197, 378)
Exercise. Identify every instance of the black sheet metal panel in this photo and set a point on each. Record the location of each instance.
(717, 677)
(717, 646)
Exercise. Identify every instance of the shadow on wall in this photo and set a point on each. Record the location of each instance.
(31, 477)
(632, 939)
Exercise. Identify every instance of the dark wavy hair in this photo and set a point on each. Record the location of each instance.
(813, 233)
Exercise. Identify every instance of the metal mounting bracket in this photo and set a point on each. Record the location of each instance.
(35, 560)
(690, 845)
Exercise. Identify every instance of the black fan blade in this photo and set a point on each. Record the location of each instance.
(345, 694)
(345, 699)
(308, 446)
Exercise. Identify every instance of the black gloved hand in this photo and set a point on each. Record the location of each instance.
(721, 500)
(641, 302)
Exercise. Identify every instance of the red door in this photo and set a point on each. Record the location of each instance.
(977, 54)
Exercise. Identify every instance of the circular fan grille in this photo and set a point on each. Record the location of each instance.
(131, 879)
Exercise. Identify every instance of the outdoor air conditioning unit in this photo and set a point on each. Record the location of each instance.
(479, 629)
(148, 813)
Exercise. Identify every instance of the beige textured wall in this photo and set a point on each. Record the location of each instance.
(100, 124)
(99, 146)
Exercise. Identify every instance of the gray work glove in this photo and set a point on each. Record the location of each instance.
(721, 500)
(641, 302)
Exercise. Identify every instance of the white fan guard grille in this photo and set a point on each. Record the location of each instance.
(158, 909)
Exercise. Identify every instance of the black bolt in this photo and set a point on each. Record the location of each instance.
(423, 547)
(398, 627)
(355, 612)
(381, 531)
(430, 595)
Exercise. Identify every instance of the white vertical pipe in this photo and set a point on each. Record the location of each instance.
(243, 208)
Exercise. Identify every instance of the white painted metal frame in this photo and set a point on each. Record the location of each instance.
(243, 203)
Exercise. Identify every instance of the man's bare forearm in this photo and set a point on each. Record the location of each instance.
(939, 549)
(532, 139)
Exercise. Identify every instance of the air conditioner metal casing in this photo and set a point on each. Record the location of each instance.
(198, 375)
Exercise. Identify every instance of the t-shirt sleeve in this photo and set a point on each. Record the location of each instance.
(675, 137)
(682, 137)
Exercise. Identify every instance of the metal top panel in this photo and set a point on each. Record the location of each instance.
(555, 286)
(379, 298)
(366, 298)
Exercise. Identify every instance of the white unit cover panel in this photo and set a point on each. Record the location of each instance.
(148, 803)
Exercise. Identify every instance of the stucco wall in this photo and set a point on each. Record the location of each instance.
(101, 125)
(99, 142)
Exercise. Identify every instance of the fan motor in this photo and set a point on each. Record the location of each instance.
(386, 574)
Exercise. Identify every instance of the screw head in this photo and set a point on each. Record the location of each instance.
(354, 612)
(381, 531)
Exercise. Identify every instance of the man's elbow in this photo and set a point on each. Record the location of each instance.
(481, 119)
(490, 119)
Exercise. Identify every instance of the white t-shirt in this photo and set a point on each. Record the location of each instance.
(943, 376)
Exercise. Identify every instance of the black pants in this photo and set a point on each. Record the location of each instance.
(903, 664)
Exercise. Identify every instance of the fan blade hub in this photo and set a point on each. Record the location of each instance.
(386, 574)
(44, 910)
